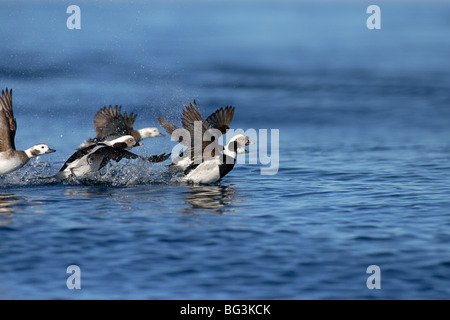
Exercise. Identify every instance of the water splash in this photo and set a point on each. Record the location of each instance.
(126, 173)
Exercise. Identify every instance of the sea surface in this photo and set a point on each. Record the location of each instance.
(358, 130)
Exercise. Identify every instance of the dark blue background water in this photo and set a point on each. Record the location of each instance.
(364, 172)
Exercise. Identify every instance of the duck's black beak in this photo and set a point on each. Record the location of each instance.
(50, 151)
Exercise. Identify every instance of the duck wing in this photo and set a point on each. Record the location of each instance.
(113, 154)
(8, 123)
(200, 133)
(159, 158)
(117, 154)
(79, 154)
(170, 129)
(221, 119)
(110, 122)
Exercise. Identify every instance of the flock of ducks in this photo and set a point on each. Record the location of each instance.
(200, 163)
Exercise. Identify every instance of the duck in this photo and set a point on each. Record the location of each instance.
(219, 120)
(97, 155)
(209, 162)
(214, 169)
(110, 123)
(10, 158)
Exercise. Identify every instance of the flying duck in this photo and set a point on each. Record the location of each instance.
(110, 124)
(219, 120)
(215, 168)
(97, 155)
(208, 162)
(10, 158)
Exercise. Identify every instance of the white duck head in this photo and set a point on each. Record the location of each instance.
(38, 149)
(149, 132)
(237, 144)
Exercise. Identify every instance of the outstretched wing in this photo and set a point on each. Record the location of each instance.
(159, 158)
(79, 154)
(191, 115)
(200, 134)
(8, 123)
(170, 129)
(110, 122)
(110, 153)
(221, 119)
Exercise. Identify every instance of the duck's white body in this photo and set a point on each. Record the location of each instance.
(82, 165)
(205, 173)
(212, 170)
(10, 163)
(181, 163)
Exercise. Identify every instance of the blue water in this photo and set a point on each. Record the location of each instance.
(364, 150)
